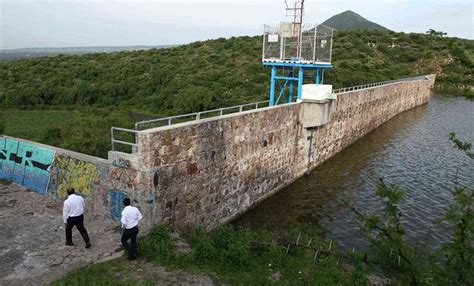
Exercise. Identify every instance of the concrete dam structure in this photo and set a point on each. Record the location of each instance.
(209, 171)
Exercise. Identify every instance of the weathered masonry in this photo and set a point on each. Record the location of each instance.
(212, 170)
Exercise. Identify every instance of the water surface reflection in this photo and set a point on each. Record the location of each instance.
(411, 150)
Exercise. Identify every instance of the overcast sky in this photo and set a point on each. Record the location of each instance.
(67, 23)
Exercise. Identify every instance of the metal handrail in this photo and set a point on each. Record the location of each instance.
(370, 85)
(198, 115)
(114, 141)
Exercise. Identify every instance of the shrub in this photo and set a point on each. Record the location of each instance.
(451, 265)
(52, 136)
(157, 245)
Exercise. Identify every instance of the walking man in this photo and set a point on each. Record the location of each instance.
(73, 215)
(131, 216)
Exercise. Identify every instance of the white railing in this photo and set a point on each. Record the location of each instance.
(167, 121)
(114, 140)
(371, 85)
(159, 122)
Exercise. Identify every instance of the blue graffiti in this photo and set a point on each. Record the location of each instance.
(25, 164)
(116, 203)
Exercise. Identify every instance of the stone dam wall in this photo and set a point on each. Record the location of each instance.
(207, 172)
(211, 171)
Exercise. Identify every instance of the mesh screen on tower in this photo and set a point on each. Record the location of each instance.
(292, 42)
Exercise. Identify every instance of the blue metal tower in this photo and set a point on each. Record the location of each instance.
(293, 49)
(286, 83)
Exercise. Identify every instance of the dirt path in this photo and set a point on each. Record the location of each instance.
(33, 251)
(32, 242)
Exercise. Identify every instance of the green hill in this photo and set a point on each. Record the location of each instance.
(350, 20)
(102, 90)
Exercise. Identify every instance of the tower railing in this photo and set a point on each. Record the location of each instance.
(294, 42)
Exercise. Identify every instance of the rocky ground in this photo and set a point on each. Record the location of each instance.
(32, 242)
(33, 250)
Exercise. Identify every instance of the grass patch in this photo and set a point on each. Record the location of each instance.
(32, 124)
(235, 257)
(85, 130)
(113, 272)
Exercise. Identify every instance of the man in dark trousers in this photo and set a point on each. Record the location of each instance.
(73, 215)
(131, 216)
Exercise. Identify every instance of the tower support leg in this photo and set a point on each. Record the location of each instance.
(292, 74)
(272, 86)
(300, 84)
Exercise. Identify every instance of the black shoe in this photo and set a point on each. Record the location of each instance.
(88, 245)
(132, 258)
(69, 244)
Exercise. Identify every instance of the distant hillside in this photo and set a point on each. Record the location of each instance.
(15, 54)
(350, 20)
(216, 73)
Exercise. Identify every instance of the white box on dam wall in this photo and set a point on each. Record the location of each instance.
(317, 91)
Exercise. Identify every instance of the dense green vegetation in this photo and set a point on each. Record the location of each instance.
(350, 20)
(2, 124)
(102, 89)
(217, 73)
(85, 130)
(33, 124)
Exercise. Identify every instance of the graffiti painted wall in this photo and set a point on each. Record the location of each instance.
(25, 164)
(51, 171)
(116, 205)
(68, 172)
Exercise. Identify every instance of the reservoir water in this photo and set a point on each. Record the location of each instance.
(411, 150)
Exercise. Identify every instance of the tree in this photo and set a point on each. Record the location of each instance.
(452, 264)
(435, 33)
(459, 252)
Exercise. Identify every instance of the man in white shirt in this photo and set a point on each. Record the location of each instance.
(73, 215)
(131, 216)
